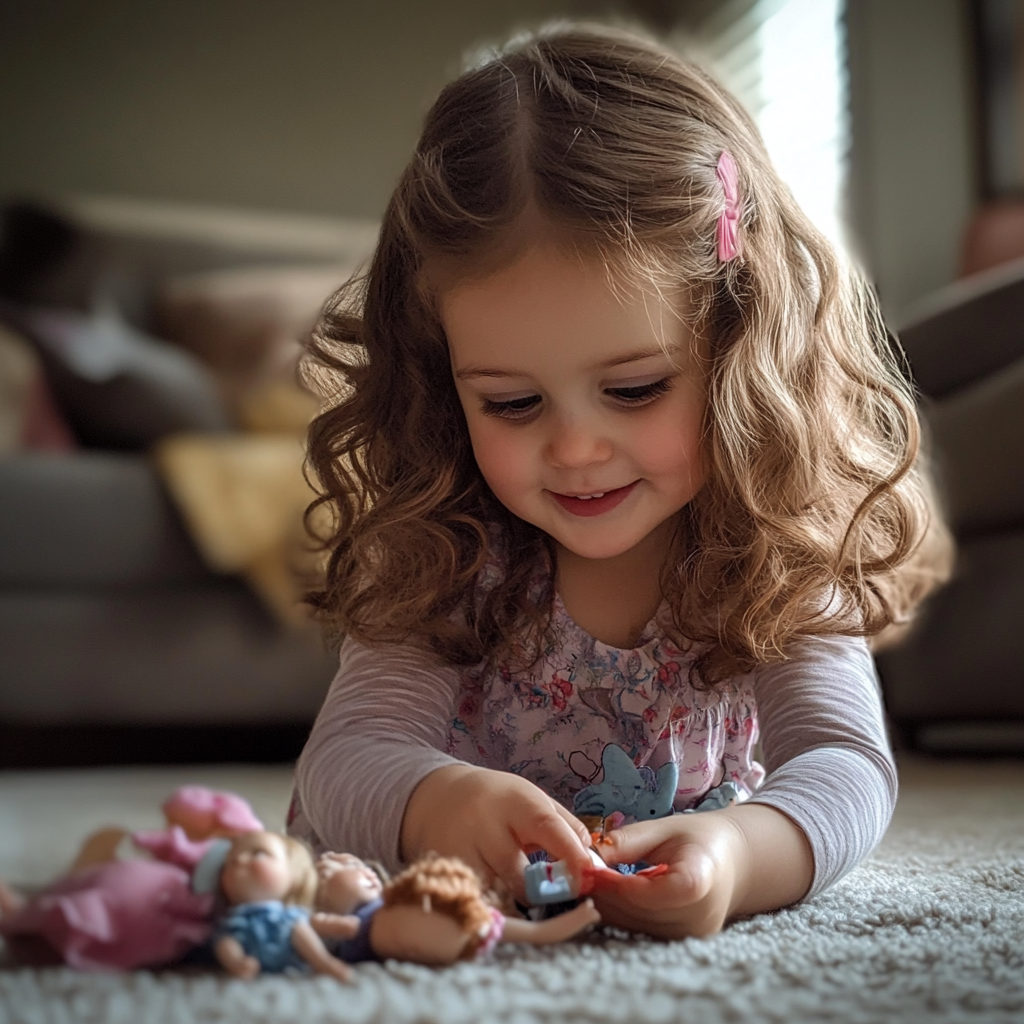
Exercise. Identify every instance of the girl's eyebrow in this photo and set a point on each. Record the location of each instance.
(493, 371)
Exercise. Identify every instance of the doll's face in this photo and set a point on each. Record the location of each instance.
(344, 883)
(256, 868)
(585, 404)
(413, 934)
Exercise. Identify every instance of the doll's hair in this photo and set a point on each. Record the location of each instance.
(449, 886)
(303, 868)
(815, 505)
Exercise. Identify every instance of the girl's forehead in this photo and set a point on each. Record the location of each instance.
(551, 304)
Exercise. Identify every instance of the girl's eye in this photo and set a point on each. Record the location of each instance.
(513, 409)
(641, 394)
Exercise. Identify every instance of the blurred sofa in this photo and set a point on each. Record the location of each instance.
(957, 683)
(117, 640)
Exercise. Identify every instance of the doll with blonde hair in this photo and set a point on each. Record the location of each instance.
(624, 475)
(269, 882)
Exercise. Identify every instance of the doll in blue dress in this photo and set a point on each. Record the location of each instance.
(269, 882)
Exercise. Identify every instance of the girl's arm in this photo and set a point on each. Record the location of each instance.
(828, 798)
(373, 778)
(381, 731)
(830, 767)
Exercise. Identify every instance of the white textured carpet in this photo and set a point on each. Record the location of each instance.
(931, 928)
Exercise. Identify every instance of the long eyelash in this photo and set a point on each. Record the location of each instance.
(516, 409)
(643, 392)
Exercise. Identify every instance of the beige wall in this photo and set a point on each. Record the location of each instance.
(913, 160)
(307, 105)
(314, 105)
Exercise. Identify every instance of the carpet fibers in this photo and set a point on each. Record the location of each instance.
(930, 928)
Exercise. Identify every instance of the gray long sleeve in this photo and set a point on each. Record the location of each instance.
(382, 729)
(384, 726)
(828, 760)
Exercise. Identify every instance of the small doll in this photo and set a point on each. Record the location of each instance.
(269, 882)
(111, 914)
(348, 895)
(437, 912)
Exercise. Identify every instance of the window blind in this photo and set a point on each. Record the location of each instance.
(786, 62)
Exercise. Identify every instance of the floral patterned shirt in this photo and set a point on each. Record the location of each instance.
(552, 723)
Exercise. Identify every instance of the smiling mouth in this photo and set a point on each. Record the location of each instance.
(596, 504)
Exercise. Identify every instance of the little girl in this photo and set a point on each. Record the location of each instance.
(618, 456)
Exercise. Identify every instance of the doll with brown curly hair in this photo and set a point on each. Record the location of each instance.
(624, 475)
(437, 912)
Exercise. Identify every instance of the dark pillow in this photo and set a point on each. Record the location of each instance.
(117, 387)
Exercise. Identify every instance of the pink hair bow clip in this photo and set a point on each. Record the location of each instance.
(727, 230)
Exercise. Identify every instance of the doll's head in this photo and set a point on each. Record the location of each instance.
(344, 882)
(268, 866)
(606, 152)
(208, 813)
(435, 912)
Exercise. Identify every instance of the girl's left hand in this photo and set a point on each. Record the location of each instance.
(739, 860)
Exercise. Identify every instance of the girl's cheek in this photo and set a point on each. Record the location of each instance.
(500, 456)
(671, 442)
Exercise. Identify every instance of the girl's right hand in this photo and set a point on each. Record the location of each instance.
(491, 820)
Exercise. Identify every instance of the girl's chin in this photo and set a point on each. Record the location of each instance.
(594, 549)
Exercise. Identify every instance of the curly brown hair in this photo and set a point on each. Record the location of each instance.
(451, 887)
(816, 503)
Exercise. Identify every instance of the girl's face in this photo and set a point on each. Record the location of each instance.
(256, 869)
(585, 405)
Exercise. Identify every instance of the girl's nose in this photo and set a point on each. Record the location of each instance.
(577, 443)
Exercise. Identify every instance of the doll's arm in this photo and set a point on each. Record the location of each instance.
(334, 926)
(233, 958)
(555, 929)
(10, 902)
(310, 947)
(99, 848)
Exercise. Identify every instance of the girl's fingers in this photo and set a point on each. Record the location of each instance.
(680, 924)
(577, 827)
(487, 867)
(510, 869)
(688, 880)
(551, 828)
(555, 830)
(637, 842)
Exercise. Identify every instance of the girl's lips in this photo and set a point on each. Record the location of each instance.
(594, 506)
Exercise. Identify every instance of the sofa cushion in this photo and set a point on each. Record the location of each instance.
(965, 661)
(979, 444)
(178, 656)
(68, 251)
(29, 418)
(118, 387)
(87, 520)
(960, 334)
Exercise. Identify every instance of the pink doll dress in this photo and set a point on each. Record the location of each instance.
(120, 915)
(492, 936)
